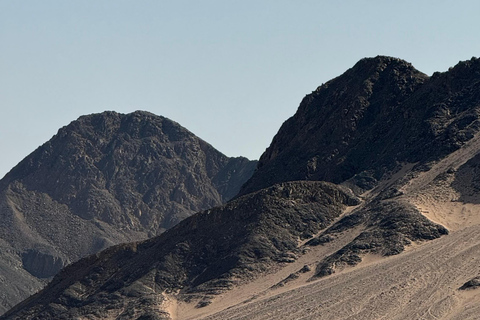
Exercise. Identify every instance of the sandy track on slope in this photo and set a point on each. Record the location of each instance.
(439, 202)
(419, 284)
(261, 287)
(432, 192)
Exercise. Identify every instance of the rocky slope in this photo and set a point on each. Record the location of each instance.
(202, 256)
(104, 179)
(403, 151)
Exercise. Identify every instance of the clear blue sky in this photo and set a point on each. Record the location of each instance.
(229, 71)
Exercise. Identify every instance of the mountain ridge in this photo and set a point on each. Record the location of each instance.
(187, 259)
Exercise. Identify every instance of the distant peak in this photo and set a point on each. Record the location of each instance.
(382, 62)
(474, 61)
(146, 115)
(387, 59)
(379, 66)
(113, 116)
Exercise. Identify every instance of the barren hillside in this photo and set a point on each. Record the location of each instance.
(365, 206)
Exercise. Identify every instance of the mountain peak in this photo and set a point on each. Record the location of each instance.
(109, 149)
(334, 127)
(372, 67)
(104, 179)
(383, 59)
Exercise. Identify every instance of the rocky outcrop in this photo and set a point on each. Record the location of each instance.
(387, 227)
(471, 284)
(106, 179)
(42, 264)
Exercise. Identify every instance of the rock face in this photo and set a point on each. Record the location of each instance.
(361, 124)
(105, 179)
(40, 264)
(383, 135)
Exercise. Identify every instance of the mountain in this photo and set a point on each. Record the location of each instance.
(104, 179)
(364, 123)
(391, 232)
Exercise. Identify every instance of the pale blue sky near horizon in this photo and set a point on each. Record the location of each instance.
(229, 71)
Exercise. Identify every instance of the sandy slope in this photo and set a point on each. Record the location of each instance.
(261, 288)
(421, 283)
(433, 194)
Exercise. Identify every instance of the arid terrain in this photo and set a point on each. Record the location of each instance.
(424, 282)
(365, 206)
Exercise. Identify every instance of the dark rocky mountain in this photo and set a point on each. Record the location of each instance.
(391, 142)
(378, 114)
(102, 180)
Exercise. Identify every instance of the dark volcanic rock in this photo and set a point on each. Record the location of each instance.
(202, 256)
(471, 284)
(361, 124)
(145, 167)
(105, 179)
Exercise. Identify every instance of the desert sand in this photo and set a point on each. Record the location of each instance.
(422, 283)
